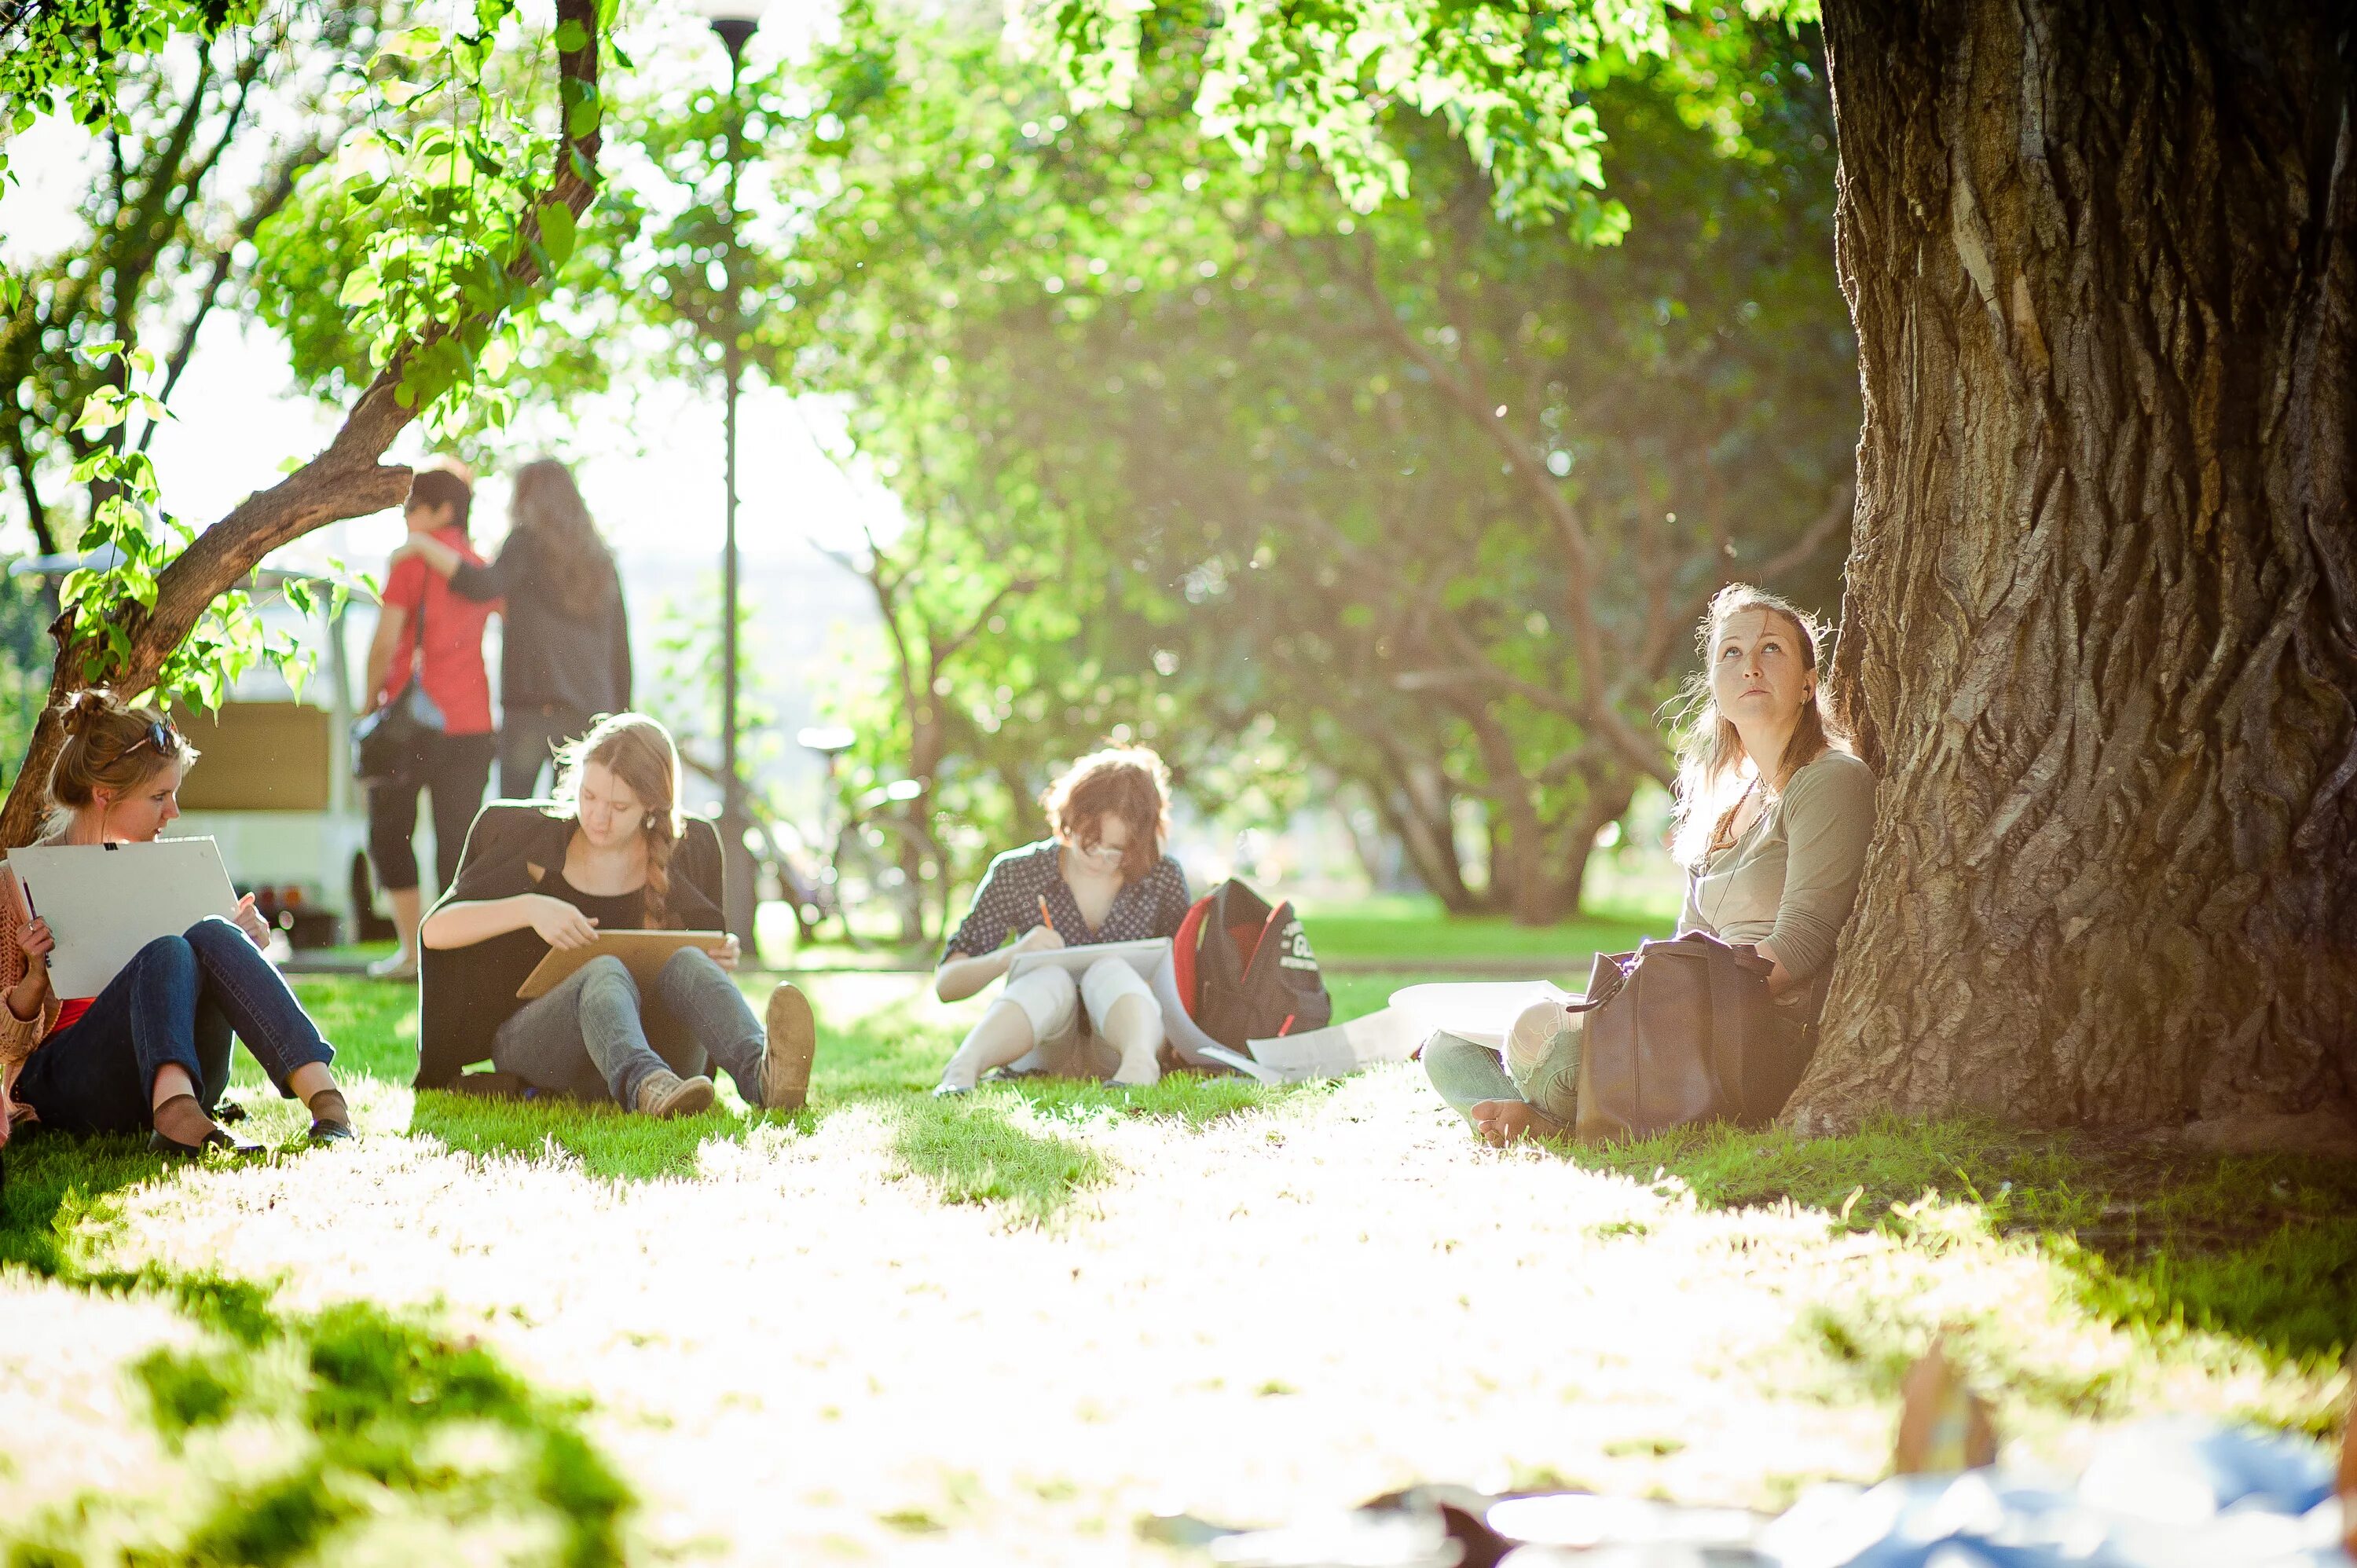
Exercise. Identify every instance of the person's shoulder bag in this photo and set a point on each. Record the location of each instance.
(1683, 1031)
(389, 745)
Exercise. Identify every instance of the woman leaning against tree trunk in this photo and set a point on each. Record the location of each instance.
(1774, 815)
(150, 1052)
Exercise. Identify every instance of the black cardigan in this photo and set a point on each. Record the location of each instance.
(463, 994)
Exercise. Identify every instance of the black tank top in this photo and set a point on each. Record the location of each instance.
(619, 912)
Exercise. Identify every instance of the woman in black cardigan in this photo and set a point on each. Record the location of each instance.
(614, 852)
(565, 648)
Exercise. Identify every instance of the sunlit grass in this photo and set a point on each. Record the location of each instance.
(1009, 1325)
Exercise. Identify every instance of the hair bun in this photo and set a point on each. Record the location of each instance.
(85, 705)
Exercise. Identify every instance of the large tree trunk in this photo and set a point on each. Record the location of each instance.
(2101, 629)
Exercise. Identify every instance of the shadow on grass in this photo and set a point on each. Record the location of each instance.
(2159, 1239)
(972, 1151)
(356, 1427)
(1001, 1147)
(52, 1182)
(608, 1143)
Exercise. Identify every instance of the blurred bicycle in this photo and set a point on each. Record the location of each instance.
(877, 876)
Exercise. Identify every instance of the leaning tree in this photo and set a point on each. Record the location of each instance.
(475, 190)
(2101, 621)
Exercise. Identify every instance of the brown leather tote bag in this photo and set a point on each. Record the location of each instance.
(1683, 1031)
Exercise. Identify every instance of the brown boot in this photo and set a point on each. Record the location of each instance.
(792, 1042)
(665, 1093)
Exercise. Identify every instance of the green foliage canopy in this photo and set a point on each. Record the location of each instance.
(1419, 500)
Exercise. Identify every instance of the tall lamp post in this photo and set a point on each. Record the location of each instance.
(735, 21)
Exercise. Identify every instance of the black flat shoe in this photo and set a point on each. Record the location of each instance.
(332, 1133)
(173, 1149)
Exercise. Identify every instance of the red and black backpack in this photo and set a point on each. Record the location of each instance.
(1244, 970)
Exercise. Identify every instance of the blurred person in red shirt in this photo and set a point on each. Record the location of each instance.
(453, 763)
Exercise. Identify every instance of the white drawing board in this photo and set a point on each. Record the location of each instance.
(1144, 957)
(643, 953)
(104, 903)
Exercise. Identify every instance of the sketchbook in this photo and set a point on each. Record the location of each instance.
(104, 902)
(1145, 957)
(644, 952)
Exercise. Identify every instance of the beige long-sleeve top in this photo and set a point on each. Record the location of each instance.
(1790, 880)
(18, 1035)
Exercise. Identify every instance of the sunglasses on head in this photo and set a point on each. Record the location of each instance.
(160, 736)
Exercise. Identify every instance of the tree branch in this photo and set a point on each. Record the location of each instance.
(347, 479)
(281, 189)
(1643, 751)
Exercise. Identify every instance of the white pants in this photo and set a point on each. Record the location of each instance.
(1068, 1020)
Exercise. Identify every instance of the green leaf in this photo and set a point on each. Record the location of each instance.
(572, 37)
(582, 118)
(413, 43)
(556, 233)
(401, 94)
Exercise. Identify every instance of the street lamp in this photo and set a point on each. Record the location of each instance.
(735, 21)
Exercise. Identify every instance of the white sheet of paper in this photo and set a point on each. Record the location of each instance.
(1478, 1011)
(104, 903)
(1144, 957)
(1338, 1050)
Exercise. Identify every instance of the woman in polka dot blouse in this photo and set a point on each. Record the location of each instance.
(1103, 877)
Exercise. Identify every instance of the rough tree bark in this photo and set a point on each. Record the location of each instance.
(2102, 629)
(344, 481)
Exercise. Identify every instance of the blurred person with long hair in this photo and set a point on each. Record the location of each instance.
(1772, 817)
(151, 1051)
(613, 852)
(427, 633)
(1103, 877)
(564, 655)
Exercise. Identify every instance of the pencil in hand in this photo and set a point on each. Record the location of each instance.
(1045, 919)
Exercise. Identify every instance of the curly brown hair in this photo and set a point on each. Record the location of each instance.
(1129, 782)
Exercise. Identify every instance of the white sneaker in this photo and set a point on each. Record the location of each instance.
(398, 964)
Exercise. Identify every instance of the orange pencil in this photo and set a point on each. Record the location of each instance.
(1045, 919)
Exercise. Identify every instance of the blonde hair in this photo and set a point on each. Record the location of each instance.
(110, 746)
(1128, 782)
(639, 752)
(1710, 749)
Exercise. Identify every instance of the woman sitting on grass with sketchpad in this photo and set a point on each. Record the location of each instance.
(150, 1050)
(1772, 853)
(614, 854)
(1102, 879)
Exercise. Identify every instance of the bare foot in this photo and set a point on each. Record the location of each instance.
(1503, 1121)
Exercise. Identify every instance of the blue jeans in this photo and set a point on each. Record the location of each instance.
(588, 1037)
(1467, 1074)
(174, 1003)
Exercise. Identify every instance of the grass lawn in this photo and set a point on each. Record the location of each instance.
(1008, 1329)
